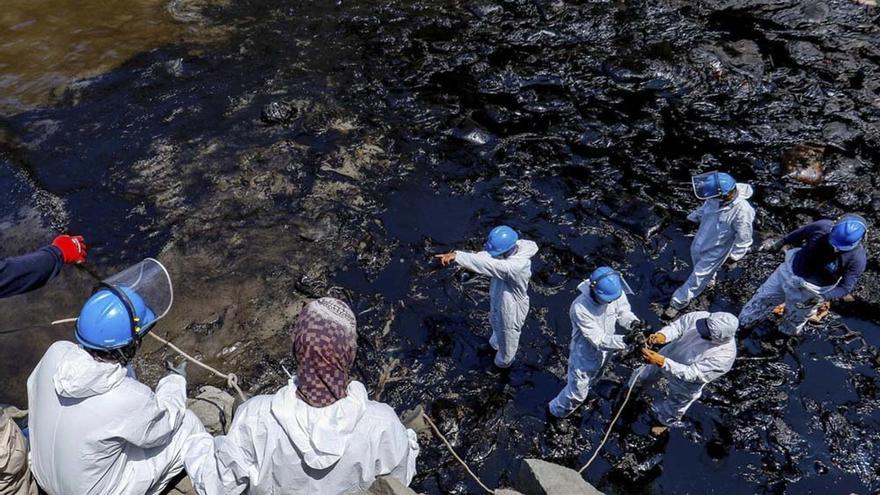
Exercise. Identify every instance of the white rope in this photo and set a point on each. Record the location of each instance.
(611, 426)
(231, 379)
(452, 451)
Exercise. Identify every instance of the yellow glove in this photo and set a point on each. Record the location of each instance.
(656, 338)
(652, 357)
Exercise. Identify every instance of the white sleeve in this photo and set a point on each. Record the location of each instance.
(675, 329)
(220, 465)
(406, 451)
(697, 214)
(484, 264)
(703, 371)
(625, 316)
(742, 227)
(581, 320)
(159, 418)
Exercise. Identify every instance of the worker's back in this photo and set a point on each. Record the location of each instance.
(81, 416)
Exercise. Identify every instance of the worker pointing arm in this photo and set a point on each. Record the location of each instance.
(21, 274)
(507, 260)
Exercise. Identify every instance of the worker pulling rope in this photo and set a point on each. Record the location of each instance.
(231, 378)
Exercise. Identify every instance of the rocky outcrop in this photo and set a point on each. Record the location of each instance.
(537, 477)
(214, 408)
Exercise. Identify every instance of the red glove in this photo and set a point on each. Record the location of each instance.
(73, 248)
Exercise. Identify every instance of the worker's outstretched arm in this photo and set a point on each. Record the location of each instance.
(29, 272)
(484, 264)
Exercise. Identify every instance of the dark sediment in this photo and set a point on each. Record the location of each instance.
(332, 149)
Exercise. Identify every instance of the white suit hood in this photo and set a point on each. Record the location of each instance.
(525, 249)
(744, 192)
(79, 375)
(321, 434)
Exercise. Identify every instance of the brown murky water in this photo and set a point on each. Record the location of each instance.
(47, 44)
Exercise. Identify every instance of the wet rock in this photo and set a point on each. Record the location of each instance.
(803, 163)
(805, 53)
(388, 485)
(637, 216)
(537, 477)
(473, 136)
(213, 407)
(183, 487)
(278, 112)
(506, 491)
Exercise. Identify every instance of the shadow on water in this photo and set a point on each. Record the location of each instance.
(333, 149)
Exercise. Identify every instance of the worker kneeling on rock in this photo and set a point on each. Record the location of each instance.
(508, 260)
(595, 313)
(94, 429)
(320, 434)
(699, 347)
(824, 263)
(725, 232)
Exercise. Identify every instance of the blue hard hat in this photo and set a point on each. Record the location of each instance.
(848, 232)
(113, 318)
(605, 284)
(713, 184)
(501, 240)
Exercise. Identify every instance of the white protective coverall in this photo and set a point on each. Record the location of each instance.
(784, 286)
(725, 231)
(15, 476)
(691, 363)
(508, 294)
(96, 431)
(279, 444)
(593, 339)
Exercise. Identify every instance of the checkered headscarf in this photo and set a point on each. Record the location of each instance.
(324, 344)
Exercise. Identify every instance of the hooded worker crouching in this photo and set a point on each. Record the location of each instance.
(319, 434)
(699, 348)
(95, 429)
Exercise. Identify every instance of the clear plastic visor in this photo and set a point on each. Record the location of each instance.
(585, 286)
(706, 186)
(149, 280)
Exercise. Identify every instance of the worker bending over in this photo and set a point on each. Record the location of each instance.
(824, 263)
(699, 348)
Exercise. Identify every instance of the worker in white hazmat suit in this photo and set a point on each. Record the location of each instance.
(506, 259)
(725, 232)
(595, 313)
(94, 429)
(700, 347)
(319, 435)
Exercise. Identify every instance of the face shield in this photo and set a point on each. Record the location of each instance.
(146, 290)
(707, 186)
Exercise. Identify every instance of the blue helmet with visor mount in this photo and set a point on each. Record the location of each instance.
(501, 240)
(848, 232)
